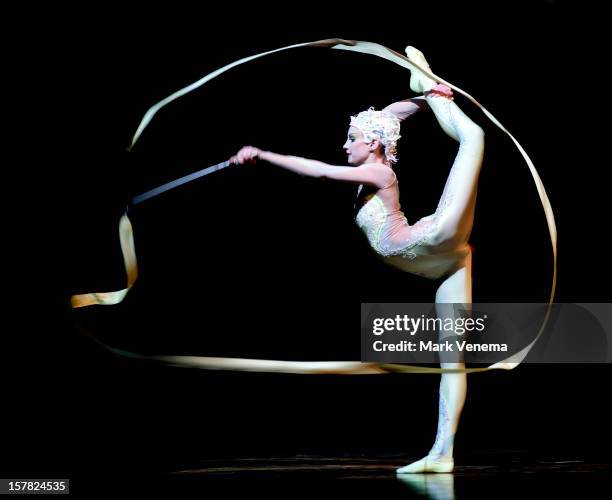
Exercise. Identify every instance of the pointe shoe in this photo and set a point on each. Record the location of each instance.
(419, 83)
(428, 464)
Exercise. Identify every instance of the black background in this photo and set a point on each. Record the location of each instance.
(257, 262)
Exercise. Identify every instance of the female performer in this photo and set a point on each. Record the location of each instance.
(436, 246)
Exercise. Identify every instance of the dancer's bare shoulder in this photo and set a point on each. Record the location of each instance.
(383, 175)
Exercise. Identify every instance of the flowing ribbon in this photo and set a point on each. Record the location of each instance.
(336, 367)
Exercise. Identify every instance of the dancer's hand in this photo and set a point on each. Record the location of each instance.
(248, 154)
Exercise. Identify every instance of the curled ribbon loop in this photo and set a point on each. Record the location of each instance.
(314, 367)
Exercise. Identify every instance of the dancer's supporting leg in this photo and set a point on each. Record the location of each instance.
(455, 289)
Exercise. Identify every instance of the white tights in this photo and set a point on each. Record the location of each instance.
(457, 203)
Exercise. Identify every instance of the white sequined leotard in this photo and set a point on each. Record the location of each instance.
(415, 249)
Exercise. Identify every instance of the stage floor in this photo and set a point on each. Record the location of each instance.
(490, 475)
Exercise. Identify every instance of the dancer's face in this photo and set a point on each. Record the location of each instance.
(356, 150)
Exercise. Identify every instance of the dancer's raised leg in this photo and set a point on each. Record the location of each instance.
(457, 203)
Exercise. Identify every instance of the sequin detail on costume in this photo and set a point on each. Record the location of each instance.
(413, 249)
(373, 219)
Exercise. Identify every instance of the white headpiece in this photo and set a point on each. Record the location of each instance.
(382, 124)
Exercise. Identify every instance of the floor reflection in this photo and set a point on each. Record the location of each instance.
(433, 486)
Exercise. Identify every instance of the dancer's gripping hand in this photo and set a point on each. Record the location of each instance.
(248, 154)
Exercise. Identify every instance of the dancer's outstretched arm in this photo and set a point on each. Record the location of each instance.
(408, 107)
(369, 174)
